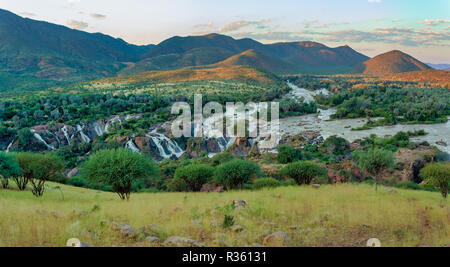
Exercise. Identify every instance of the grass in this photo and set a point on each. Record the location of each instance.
(334, 215)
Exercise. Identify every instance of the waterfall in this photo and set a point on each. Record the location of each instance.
(167, 148)
(66, 134)
(98, 128)
(8, 149)
(84, 137)
(39, 137)
(131, 146)
(56, 137)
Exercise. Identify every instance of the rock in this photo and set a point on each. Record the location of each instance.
(239, 203)
(237, 228)
(279, 239)
(85, 245)
(294, 227)
(257, 245)
(155, 230)
(316, 186)
(241, 147)
(441, 143)
(176, 241)
(127, 231)
(424, 143)
(74, 172)
(152, 240)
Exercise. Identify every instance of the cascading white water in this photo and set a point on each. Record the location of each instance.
(8, 149)
(167, 148)
(131, 146)
(84, 137)
(98, 128)
(40, 139)
(66, 134)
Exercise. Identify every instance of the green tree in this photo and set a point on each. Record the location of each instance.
(287, 154)
(39, 168)
(438, 175)
(195, 176)
(120, 168)
(8, 168)
(374, 161)
(235, 173)
(303, 172)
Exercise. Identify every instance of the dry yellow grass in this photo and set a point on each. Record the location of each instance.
(334, 215)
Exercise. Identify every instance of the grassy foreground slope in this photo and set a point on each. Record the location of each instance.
(334, 215)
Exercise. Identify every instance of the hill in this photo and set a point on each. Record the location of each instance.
(391, 63)
(279, 58)
(187, 74)
(50, 52)
(440, 77)
(333, 215)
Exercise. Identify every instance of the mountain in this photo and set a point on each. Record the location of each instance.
(280, 58)
(439, 66)
(37, 49)
(391, 63)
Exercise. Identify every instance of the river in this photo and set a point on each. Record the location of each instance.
(342, 128)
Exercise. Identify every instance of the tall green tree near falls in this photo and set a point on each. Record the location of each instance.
(438, 175)
(374, 161)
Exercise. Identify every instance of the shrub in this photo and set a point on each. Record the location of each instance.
(287, 154)
(408, 185)
(195, 176)
(8, 168)
(235, 173)
(38, 168)
(221, 158)
(303, 172)
(336, 145)
(438, 175)
(177, 185)
(78, 182)
(265, 183)
(121, 169)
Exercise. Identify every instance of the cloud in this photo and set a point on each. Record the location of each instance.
(435, 22)
(237, 25)
(374, 1)
(329, 25)
(98, 16)
(78, 25)
(206, 25)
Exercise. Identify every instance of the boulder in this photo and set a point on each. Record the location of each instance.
(239, 203)
(279, 239)
(74, 172)
(176, 241)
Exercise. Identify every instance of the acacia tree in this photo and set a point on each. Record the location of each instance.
(120, 168)
(374, 161)
(438, 175)
(38, 168)
(8, 168)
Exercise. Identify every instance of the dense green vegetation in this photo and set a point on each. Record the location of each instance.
(438, 175)
(406, 105)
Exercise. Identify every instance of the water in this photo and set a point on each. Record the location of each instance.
(167, 148)
(131, 146)
(342, 128)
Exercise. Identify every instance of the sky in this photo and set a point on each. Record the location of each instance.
(418, 27)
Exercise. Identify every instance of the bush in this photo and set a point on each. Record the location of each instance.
(303, 172)
(287, 154)
(409, 185)
(122, 169)
(438, 175)
(39, 168)
(221, 158)
(177, 185)
(235, 173)
(8, 168)
(265, 183)
(78, 182)
(195, 176)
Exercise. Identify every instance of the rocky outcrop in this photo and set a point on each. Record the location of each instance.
(412, 161)
(302, 139)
